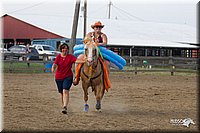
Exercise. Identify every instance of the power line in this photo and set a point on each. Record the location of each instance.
(47, 15)
(27, 7)
(128, 13)
(121, 14)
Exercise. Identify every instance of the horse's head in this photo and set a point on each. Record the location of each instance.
(91, 52)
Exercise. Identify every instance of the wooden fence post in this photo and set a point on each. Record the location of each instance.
(171, 63)
(135, 63)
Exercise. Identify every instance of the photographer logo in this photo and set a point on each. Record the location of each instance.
(185, 122)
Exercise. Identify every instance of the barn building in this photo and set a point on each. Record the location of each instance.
(18, 32)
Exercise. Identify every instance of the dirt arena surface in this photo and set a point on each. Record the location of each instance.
(143, 102)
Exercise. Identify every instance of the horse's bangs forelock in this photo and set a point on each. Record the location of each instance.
(91, 45)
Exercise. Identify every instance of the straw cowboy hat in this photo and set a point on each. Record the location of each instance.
(98, 23)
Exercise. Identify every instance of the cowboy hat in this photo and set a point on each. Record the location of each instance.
(97, 24)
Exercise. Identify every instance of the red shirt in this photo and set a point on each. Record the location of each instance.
(64, 66)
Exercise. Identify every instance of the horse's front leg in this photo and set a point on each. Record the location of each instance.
(85, 89)
(99, 95)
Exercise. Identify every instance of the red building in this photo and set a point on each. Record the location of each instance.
(17, 32)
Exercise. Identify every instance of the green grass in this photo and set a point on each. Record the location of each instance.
(23, 67)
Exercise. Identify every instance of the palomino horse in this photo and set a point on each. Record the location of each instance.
(92, 74)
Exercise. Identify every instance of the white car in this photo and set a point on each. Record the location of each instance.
(4, 53)
(3, 50)
(46, 50)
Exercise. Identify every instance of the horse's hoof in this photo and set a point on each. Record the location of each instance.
(86, 108)
(98, 106)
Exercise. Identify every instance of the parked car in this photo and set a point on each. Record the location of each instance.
(19, 52)
(34, 55)
(46, 49)
(4, 53)
(3, 50)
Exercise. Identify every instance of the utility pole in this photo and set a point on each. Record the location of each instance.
(109, 9)
(74, 28)
(85, 18)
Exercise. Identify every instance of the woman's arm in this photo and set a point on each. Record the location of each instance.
(54, 67)
(80, 61)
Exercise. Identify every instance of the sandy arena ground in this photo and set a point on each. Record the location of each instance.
(143, 102)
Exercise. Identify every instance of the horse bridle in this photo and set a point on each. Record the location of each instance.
(92, 78)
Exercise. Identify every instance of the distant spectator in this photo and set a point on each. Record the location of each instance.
(145, 63)
(28, 51)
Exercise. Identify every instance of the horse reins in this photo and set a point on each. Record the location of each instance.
(92, 77)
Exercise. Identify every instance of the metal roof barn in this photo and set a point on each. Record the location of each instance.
(16, 28)
(16, 31)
